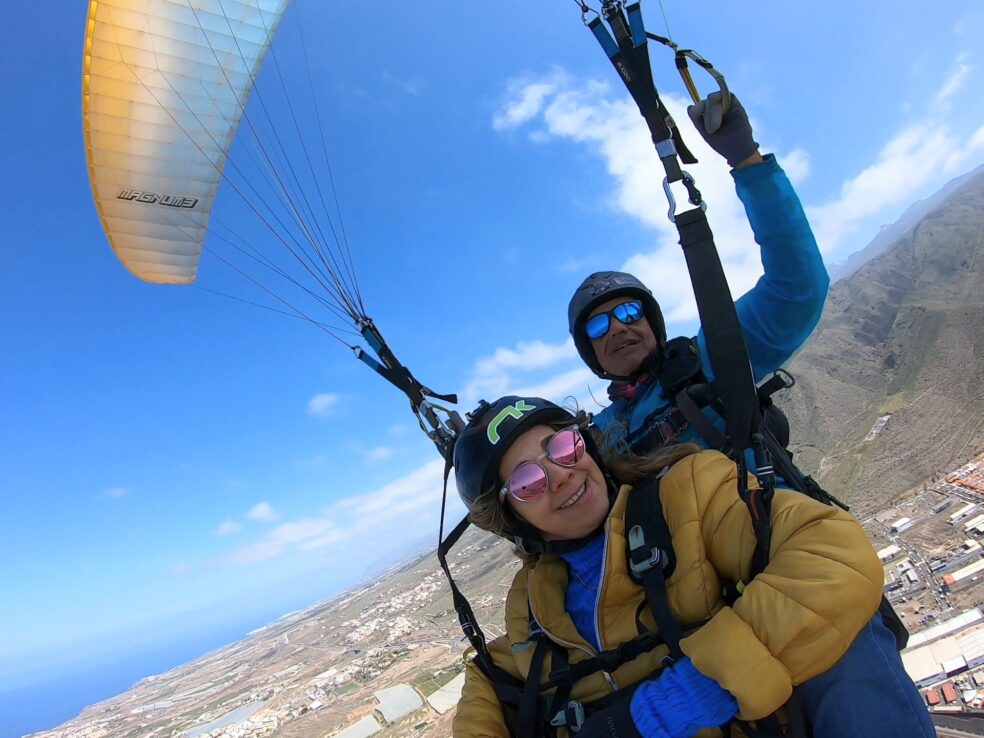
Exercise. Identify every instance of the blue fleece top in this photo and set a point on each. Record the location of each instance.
(678, 702)
(777, 314)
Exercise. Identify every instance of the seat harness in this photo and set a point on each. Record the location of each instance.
(533, 707)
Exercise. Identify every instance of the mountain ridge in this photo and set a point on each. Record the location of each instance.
(902, 336)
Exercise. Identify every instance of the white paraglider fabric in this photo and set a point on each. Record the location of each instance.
(165, 83)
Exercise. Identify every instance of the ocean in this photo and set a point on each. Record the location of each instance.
(51, 701)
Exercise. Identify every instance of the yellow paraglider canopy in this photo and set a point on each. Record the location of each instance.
(164, 87)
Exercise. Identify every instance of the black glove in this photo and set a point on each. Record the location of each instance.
(612, 722)
(729, 134)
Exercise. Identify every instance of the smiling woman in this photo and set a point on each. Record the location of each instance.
(601, 643)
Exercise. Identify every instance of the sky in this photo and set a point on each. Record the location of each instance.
(173, 461)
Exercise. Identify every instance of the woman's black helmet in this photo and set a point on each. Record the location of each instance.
(601, 287)
(490, 431)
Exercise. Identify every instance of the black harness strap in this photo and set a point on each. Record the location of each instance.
(607, 661)
(727, 353)
(530, 717)
(699, 422)
(441, 430)
(651, 558)
(507, 688)
(629, 54)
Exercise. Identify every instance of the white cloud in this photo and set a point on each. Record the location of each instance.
(796, 164)
(912, 159)
(411, 85)
(607, 122)
(525, 100)
(492, 376)
(379, 453)
(262, 512)
(578, 387)
(322, 405)
(114, 493)
(227, 528)
(955, 82)
(402, 509)
(372, 454)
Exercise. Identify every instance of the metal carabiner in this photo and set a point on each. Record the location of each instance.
(693, 195)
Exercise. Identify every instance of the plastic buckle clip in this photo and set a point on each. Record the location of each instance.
(642, 559)
(571, 716)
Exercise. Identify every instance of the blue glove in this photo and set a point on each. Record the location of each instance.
(680, 702)
(729, 134)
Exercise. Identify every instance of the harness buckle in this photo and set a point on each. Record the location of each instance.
(641, 558)
(572, 716)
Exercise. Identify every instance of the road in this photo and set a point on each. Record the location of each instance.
(932, 585)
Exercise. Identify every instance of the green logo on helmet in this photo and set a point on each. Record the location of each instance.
(516, 411)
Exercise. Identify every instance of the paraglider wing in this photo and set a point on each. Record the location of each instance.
(165, 83)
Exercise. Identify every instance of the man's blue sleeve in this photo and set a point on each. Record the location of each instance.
(782, 309)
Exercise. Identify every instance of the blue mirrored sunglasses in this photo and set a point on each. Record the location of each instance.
(627, 313)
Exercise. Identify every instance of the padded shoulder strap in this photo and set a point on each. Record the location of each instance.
(651, 557)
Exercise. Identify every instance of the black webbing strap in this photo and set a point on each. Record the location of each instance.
(758, 500)
(607, 661)
(631, 61)
(699, 422)
(507, 688)
(770, 727)
(469, 624)
(530, 718)
(651, 558)
(734, 382)
(725, 340)
(791, 474)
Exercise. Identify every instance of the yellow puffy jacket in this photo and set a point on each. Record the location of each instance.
(793, 621)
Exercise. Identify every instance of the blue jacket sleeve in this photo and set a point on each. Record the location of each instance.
(782, 309)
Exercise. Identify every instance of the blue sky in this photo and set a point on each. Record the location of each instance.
(171, 460)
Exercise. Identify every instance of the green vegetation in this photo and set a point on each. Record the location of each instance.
(428, 682)
(345, 689)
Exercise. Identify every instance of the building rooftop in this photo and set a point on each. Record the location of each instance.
(363, 729)
(945, 628)
(398, 701)
(447, 696)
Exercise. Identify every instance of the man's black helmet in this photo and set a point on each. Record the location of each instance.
(601, 287)
(490, 431)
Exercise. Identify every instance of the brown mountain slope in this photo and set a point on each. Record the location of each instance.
(903, 336)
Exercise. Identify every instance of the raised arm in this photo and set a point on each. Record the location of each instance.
(782, 309)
